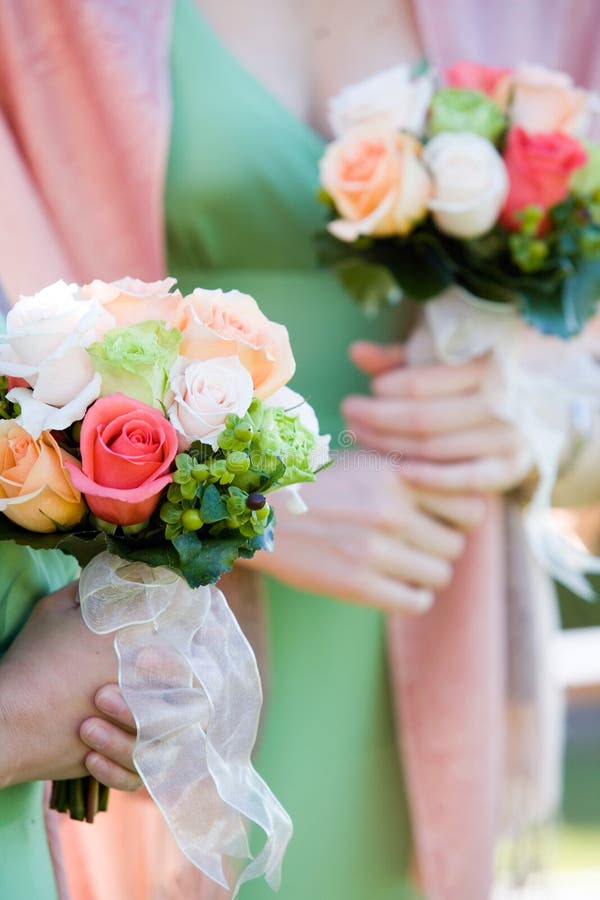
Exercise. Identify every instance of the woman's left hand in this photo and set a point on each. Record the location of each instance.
(438, 417)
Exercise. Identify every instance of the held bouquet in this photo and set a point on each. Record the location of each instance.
(142, 432)
(484, 183)
(481, 196)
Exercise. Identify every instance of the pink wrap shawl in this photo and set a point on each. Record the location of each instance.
(83, 140)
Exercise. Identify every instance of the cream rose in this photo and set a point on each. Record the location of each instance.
(377, 181)
(214, 323)
(46, 337)
(391, 98)
(35, 487)
(130, 301)
(470, 183)
(544, 100)
(203, 395)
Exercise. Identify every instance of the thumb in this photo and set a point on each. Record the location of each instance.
(374, 359)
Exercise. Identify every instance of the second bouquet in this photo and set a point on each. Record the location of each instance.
(142, 432)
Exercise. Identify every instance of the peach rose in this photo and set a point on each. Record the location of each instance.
(131, 301)
(214, 324)
(544, 100)
(36, 491)
(377, 181)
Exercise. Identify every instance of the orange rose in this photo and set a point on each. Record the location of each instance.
(377, 182)
(216, 324)
(35, 487)
(131, 301)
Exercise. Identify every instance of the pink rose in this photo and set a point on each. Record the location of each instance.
(216, 324)
(490, 80)
(377, 181)
(127, 449)
(131, 301)
(539, 171)
(545, 100)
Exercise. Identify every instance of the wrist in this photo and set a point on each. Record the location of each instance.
(9, 753)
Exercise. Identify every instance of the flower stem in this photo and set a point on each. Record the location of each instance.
(92, 797)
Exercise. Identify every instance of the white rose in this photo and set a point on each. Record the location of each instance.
(470, 183)
(204, 393)
(392, 97)
(46, 337)
(37, 416)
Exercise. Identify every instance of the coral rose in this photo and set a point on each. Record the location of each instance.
(127, 449)
(539, 170)
(492, 81)
(214, 323)
(35, 488)
(377, 182)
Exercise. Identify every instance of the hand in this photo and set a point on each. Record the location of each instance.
(438, 417)
(363, 539)
(50, 681)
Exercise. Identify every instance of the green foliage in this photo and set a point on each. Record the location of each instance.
(550, 270)
(8, 410)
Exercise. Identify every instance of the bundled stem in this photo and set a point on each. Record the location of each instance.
(82, 798)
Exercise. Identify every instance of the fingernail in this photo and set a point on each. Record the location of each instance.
(95, 733)
(110, 700)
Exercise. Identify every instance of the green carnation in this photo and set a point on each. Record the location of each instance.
(136, 361)
(456, 109)
(586, 180)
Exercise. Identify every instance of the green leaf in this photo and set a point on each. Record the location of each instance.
(564, 310)
(212, 508)
(369, 283)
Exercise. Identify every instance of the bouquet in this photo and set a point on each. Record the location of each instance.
(142, 432)
(480, 195)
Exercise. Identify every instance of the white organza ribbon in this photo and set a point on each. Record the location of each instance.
(536, 382)
(190, 678)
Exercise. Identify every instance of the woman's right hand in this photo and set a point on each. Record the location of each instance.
(56, 687)
(363, 539)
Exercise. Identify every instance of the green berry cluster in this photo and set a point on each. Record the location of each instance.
(219, 492)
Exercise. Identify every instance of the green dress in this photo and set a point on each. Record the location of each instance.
(242, 212)
(25, 867)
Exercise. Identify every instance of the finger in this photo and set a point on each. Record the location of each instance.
(110, 773)
(392, 596)
(110, 701)
(373, 358)
(496, 474)
(497, 438)
(417, 418)
(430, 535)
(431, 381)
(392, 557)
(465, 511)
(109, 740)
